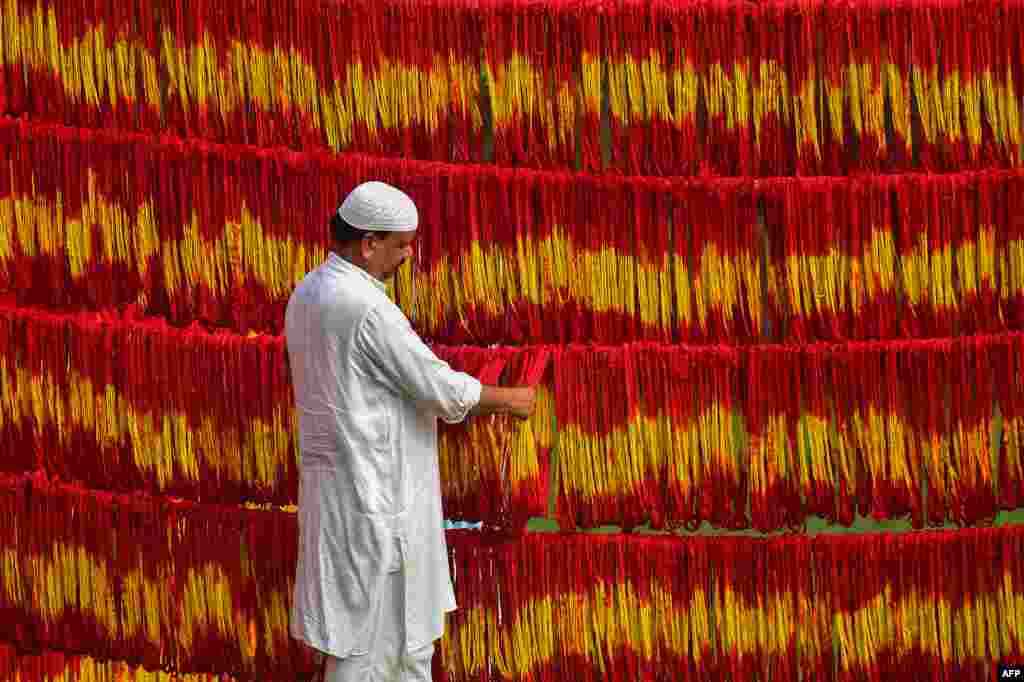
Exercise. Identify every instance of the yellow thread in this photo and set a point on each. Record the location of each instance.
(975, 262)
(971, 92)
(699, 450)
(771, 96)
(244, 250)
(899, 101)
(727, 93)
(62, 581)
(143, 602)
(867, 101)
(599, 622)
(884, 439)
(538, 272)
(927, 275)
(723, 281)
(929, 101)
(1011, 269)
(807, 133)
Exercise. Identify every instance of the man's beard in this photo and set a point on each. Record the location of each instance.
(393, 271)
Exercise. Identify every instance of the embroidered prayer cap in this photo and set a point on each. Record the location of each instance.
(379, 207)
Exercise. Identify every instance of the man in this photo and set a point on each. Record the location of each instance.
(372, 582)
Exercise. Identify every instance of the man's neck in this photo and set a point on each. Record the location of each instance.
(349, 257)
(356, 261)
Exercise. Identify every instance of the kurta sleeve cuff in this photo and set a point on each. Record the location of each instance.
(467, 400)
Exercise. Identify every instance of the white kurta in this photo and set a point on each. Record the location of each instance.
(368, 393)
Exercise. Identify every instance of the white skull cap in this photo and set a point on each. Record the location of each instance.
(379, 207)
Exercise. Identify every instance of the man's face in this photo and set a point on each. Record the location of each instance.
(385, 252)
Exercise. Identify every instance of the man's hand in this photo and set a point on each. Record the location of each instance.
(518, 401)
(522, 401)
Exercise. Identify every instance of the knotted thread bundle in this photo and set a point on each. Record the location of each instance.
(759, 436)
(712, 86)
(764, 436)
(57, 666)
(148, 580)
(200, 588)
(197, 232)
(134, 404)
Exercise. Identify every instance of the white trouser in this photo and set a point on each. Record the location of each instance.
(387, 660)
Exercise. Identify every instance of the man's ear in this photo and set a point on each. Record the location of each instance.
(367, 245)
